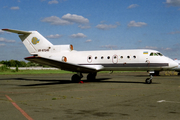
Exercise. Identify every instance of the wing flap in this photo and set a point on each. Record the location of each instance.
(60, 64)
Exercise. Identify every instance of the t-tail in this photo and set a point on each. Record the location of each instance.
(37, 44)
(33, 40)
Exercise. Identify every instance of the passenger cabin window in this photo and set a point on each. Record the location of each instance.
(121, 57)
(108, 57)
(128, 57)
(95, 57)
(134, 56)
(102, 57)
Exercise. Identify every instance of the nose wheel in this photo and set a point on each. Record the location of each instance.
(149, 80)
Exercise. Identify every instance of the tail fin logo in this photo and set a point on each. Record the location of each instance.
(35, 40)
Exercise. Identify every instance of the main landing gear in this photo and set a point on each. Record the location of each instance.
(91, 76)
(77, 77)
(149, 80)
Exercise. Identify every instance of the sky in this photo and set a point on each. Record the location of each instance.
(92, 25)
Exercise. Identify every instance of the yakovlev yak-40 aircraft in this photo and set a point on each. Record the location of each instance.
(91, 62)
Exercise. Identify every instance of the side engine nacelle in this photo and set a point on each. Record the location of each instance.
(62, 48)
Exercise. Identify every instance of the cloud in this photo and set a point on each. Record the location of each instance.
(136, 24)
(107, 27)
(139, 41)
(54, 20)
(66, 19)
(54, 36)
(53, 2)
(2, 45)
(1, 32)
(133, 6)
(89, 40)
(15, 8)
(150, 47)
(75, 18)
(159, 49)
(78, 35)
(173, 2)
(109, 46)
(62, 0)
(174, 32)
(5, 7)
(84, 27)
(6, 40)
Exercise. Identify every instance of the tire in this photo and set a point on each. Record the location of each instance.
(75, 78)
(148, 81)
(91, 76)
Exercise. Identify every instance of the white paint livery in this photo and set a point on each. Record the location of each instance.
(64, 57)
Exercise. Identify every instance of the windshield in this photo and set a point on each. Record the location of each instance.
(156, 54)
(159, 54)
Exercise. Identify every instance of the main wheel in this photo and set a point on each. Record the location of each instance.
(91, 76)
(148, 81)
(75, 78)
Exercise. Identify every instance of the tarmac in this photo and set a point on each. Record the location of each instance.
(118, 96)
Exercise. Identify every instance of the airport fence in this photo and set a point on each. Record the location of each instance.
(33, 68)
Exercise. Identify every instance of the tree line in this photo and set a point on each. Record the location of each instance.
(15, 63)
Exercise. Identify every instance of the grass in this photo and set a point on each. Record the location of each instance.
(6, 71)
(19, 72)
(11, 72)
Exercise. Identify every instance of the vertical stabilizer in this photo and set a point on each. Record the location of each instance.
(33, 40)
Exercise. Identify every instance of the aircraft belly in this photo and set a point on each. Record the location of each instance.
(132, 69)
(133, 66)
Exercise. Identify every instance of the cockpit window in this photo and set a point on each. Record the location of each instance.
(155, 54)
(159, 54)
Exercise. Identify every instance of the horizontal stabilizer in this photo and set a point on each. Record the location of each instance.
(60, 64)
(16, 31)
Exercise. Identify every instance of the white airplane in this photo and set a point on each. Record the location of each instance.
(91, 62)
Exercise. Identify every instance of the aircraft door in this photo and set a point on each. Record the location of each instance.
(115, 59)
(148, 62)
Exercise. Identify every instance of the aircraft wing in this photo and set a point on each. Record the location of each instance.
(61, 65)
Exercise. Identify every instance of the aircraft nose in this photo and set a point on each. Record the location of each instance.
(173, 64)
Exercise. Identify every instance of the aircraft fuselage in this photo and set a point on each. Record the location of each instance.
(115, 60)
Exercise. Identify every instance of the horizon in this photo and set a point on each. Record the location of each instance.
(92, 25)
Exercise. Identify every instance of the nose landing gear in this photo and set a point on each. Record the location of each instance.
(149, 80)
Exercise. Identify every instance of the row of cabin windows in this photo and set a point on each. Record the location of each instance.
(108, 57)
